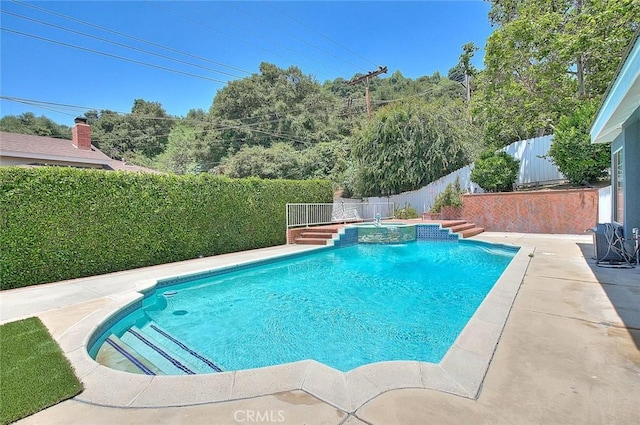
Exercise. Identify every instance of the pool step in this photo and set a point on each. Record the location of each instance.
(462, 227)
(311, 241)
(192, 359)
(315, 235)
(162, 358)
(451, 223)
(118, 355)
(472, 232)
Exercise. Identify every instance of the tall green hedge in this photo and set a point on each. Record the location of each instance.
(64, 223)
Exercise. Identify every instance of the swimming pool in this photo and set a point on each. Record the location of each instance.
(344, 307)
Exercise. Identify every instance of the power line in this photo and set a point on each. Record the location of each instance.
(218, 127)
(188, 18)
(78, 109)
(119, 44)
(319, 33)
(59, 107)
(48, 108)
(230, 4)
(206, 25)
(82, 109)
(164, 68)
(129, 36)
(247, 127)
(383, 102)
(286, 47)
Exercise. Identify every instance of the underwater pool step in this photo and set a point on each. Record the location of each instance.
(167, 362)
(116, 354)
(193, 359)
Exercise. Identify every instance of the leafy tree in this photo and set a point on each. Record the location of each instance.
(407, 145)
(465, 68)
(194, 145)
(277, 105)
(326, 160)
(187, 152)
(545, 58)
(109, 132)
(396, 86)
(596, 35)
(495, 171)
(145, 130)
(151, 126)
(28, 123)
(456, 73)
(572, 151)
(280, 161)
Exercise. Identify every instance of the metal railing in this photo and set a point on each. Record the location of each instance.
(305, 215)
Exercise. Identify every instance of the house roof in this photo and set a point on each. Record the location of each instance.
(40, 148)
(622, 99)
(48, 148)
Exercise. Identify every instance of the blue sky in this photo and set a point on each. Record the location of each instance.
(324, 39)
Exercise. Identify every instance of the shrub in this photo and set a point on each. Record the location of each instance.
(450, 197)
(572, 151)
(64, 223)
(406, 212)
(495, 171)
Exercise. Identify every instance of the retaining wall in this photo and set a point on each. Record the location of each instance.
(555, 211)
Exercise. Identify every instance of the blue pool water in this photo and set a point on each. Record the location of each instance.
(343, 307)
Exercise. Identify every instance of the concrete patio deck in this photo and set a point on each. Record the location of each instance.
(569, 352)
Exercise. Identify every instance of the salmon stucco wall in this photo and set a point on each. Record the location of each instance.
(557, 211)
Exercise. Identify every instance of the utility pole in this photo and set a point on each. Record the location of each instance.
(365, 78)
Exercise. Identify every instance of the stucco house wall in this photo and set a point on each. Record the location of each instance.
(629, 142)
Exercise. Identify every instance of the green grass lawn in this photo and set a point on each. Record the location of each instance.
(34, 374)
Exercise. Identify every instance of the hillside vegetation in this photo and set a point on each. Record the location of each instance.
(544, 60)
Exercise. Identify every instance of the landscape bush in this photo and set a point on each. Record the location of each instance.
(495, 171)
(64, 223)
(572, 151)
(450, 197)
(406, 212)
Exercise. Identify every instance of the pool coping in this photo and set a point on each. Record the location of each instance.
(461, 371)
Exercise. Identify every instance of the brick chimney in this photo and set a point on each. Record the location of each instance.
(81, 134)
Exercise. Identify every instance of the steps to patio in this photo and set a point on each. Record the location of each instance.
(462, 227)
(153, 351)
(320, 235)
(315, 236)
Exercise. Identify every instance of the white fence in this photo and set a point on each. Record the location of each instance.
(533, 169)
(422, 199)
(604, 205)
